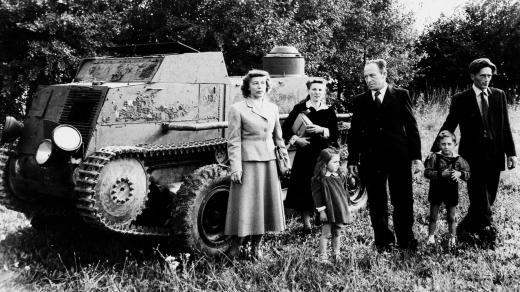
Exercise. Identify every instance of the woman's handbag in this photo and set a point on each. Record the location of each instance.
(282, 161)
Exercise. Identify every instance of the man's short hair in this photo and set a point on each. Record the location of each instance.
(447, 134)
(381, 64)
(476, 65)
(315, 80)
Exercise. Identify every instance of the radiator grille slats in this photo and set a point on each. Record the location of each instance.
(80, 110)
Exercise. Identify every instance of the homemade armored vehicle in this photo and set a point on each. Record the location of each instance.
(137, 145)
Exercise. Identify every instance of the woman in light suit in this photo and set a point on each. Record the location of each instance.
(255, 203)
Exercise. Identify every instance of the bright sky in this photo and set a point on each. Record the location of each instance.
(427, 11)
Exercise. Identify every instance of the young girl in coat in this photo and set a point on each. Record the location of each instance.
(330, 196)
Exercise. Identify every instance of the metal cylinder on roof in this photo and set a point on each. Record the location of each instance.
(284, 61)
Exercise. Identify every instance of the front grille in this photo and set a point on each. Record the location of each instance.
(81, 110)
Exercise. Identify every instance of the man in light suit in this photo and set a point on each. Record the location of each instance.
(485, 141)
(384, 141)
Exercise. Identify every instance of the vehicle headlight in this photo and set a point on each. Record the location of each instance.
(67, 137)
(44, 151)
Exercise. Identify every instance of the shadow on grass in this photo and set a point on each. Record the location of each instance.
(72, 244)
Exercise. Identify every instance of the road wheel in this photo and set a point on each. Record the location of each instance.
(357, 193)
(199, 210)
(121, 190)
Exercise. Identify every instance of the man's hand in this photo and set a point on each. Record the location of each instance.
(417, 166)
(323, 216)
(302, 141)
(314, 129)
(353, 169)
(511, 162)
(236, 177)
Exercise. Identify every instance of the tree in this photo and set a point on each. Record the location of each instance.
(487, 28)
(336, 37)
(42, 43)
(44, 40)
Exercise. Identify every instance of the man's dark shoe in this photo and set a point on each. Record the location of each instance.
(410, 245)
(488, 237)
(384, 247)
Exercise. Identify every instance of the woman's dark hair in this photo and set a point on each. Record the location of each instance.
(252, 74)
(309, 83)
(312, 81)
(323, 159)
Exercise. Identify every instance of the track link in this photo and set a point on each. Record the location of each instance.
(7, 197)
(11, 201)
(88, 175)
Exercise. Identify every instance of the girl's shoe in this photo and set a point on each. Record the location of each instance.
(257, 254)
(431, 240)
(336, 257)
(233, 254)
(324, 259)
(452, 242)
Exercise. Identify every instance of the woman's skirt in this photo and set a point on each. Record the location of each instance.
(255, 206)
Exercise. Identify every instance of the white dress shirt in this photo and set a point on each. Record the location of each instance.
(382, 91)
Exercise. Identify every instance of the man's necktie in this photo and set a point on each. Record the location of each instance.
(377, 100)
(485, 116)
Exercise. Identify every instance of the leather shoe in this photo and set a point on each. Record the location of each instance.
(410, 245)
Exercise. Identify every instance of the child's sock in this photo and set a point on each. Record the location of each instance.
(335, 245)
(323, 245)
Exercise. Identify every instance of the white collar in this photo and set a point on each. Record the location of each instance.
(478, 91)
(321, 106)
(328, 173)
(382, 91)
(454, 154)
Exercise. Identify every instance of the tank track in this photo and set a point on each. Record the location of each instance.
(7, 198)
(12, 202)
(89, 170)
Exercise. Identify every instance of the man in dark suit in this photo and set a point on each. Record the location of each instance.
(384, 141)
(485, 141)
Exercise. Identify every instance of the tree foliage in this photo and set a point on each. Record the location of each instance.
(43, 40)
(336, 37)
(486, 28)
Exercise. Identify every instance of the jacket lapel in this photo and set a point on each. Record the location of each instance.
(368, 100)
(255, 110)
(472, 103)
(492, 107)
(389, 95)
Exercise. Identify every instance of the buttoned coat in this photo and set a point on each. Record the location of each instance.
(388, 133)
(253, 133)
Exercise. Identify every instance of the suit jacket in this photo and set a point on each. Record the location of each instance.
(464, 112)
(252, 133)
(389, 134)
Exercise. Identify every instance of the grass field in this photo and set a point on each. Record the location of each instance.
(72, 259)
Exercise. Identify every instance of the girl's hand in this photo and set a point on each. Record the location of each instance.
(323, 216)
(236, 177)
(302, 142)
(455, 175)
(446, 173)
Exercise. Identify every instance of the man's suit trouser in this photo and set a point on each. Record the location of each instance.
(482, 191)
(399, 179)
